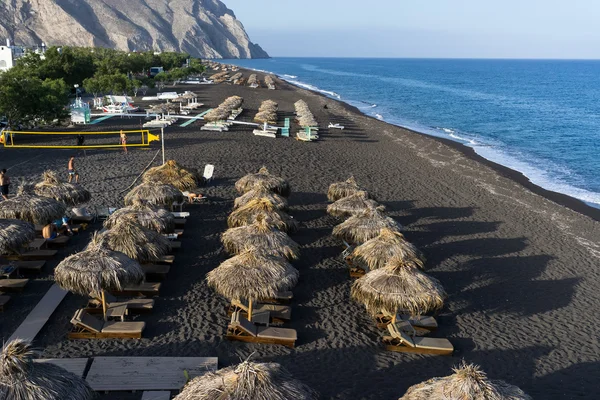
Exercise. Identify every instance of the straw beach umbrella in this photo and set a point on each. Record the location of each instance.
(252, 275)
(376, 252)
(279, 202)
(23, 379)
(261, 236)
(467, 382)
(14, 234)
(31, 208)
(137, 242)
(171, 173)
(398, 287)
(362, 227)
(144, 214)
(155, 193)
(52, 186)
(247, 214)
(352, 205)
(339, 190)
(97, 269)
(248, 380)
(265, 180)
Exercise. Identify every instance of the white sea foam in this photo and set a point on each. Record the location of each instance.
(379, 117)
(314, 88)
(290, 76)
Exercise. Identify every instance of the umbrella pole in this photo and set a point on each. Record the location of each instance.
(103, 305)
(250, 309)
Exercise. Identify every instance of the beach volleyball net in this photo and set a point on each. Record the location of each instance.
(76, 140)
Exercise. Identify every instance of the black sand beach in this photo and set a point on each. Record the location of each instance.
(520, 269)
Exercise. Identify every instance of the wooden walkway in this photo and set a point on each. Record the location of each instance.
(38, 317)
(111, 374)
(75, 365)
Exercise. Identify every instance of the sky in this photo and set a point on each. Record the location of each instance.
(416, 28)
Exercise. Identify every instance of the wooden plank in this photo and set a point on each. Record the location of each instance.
(38, 317)
(73, 365)
(156, 396)
(112, 374)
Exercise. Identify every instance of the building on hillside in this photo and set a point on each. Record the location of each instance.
(9, 54)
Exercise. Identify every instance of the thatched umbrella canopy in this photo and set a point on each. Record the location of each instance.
(159, 108)
(398, 287)
(135, 241)
(265, 180)
(144, 214)
(359, 228)
(97, 269)
(247, 214)
(154, 193)
(252, 275)
(248, 380)
(217, 114)
(52, 186)
(376, 252)
(354, 204)
(171, 173)
(14, 234)
(278, 201)
(23, 379)
(31, 208)
(261, 236)
(467, 382)
(339, 190)
(189, 95)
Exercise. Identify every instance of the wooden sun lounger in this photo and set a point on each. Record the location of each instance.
(36, 244)
(13, 285)
(59, 241)
(82, 219)
(419, 322)
(240, 329)
(156, 271)
(33, 255)
(134, 306)
(180, 222)
(175, 245)
(154, 395)
(3, 301)
(30, 267)
(145, 289)
(400, 341)
(86, 326)
(282, 298)
(168, 259)
(278, 313)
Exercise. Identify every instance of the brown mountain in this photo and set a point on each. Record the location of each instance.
(203, 28)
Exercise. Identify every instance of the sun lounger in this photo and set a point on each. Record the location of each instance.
(180, 222)
(159, 272)
(33, 255)
(36, 244)
(420, 322)
(13, 285)
(144, 289)
(266, 133)
(282, 298)
(30, 267)
(59, 241)
(168, 260)
(278, 313)
(86, 326)
(155, 395)
(240, 329)
(134, 306)
(305, 137)
(182, 215)
(3, 302)
(175, 245)
(401, 341)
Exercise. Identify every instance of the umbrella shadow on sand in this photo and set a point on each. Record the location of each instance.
(437, 213)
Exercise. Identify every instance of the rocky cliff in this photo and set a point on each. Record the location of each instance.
(203, 28)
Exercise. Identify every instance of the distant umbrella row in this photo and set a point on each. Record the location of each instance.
(304, 115)
(224, 110)
(267, 112)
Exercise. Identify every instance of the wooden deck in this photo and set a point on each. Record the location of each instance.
(74, 365)
(109, 374)
(38, 317)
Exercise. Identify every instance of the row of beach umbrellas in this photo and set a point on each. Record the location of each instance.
(223, 111)
(267, 112)
(304, 115)
(257, 240)
(394, 281)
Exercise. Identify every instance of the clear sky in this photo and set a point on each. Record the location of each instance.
(423, 28)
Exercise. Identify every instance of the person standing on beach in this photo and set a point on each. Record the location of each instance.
(4, 184)
(124, 141)
(72, 172)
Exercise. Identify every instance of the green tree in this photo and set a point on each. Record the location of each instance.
(93, 85)
(161, 79)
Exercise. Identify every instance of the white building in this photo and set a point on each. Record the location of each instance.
(9, 54)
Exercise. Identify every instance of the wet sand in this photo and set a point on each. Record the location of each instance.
(519, 268)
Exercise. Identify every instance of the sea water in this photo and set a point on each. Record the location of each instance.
(539, 117)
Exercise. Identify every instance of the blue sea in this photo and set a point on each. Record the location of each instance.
(539, 117)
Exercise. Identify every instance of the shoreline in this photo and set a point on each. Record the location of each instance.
(562, 199)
